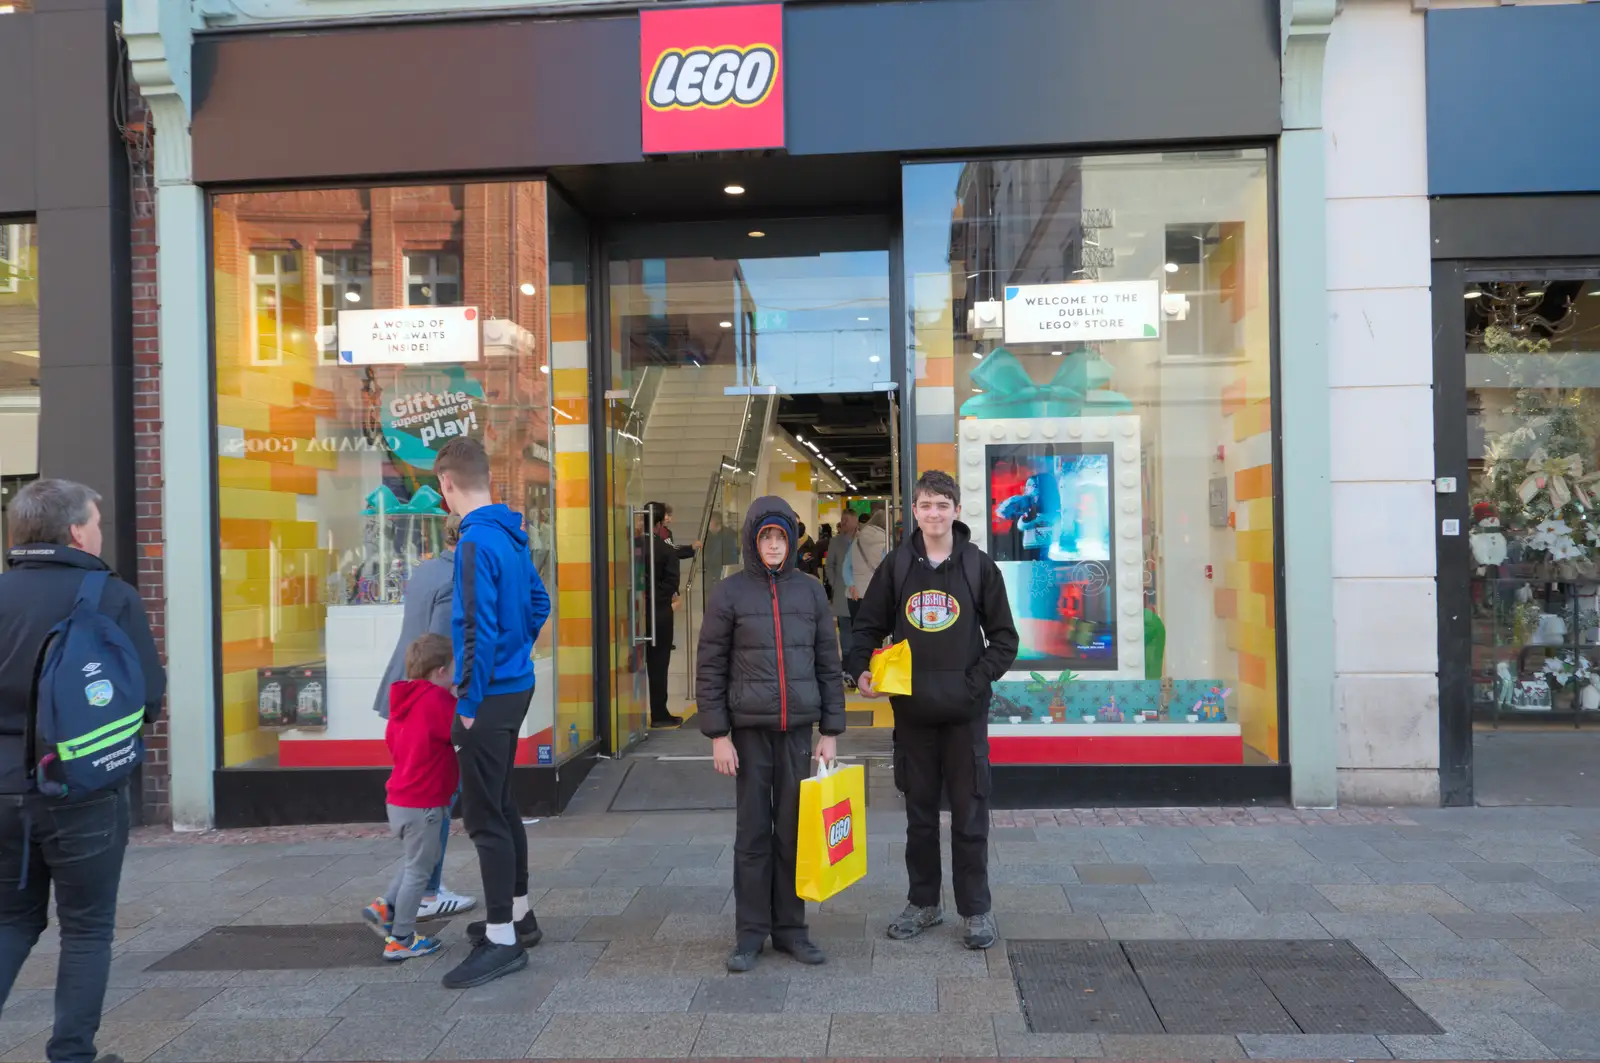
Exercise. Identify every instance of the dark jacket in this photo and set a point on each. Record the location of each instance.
(669, 571)
(429, 593)
(742, 679)
(962, 637)
(499, 607)
(36, 594)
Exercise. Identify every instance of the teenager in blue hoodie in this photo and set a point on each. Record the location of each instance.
(500, 604)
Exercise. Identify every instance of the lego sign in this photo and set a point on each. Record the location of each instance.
(712, 78)
(841, 834)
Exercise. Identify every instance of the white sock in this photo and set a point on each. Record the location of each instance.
(501, 934)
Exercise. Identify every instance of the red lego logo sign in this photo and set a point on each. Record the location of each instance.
(712, 78)
(838, 823)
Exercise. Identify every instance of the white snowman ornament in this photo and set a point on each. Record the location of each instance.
(1488, 543)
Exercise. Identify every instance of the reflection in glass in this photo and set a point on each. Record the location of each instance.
(19, 364)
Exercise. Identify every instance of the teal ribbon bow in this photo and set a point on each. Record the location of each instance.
(1076, 390)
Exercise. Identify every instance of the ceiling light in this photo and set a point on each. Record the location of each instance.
(977, 354)
(26, 354)
(726, 324)
(352, 292)
(1473, 295)
(799, 437)
(875, 359)
(527, 288)
(734, 190)
(863, 319)
(1172, 267)
(544, 369)
(756, 234)
(1055, 354)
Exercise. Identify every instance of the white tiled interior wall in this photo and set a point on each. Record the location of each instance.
(1386, 691)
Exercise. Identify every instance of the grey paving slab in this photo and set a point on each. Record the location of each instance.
(1036, 898)
(1254, 926)
(571, 959)
(381, 1039)
(252, 1041)
(1103, 899)
(1143, 852)
(1390, 900)
(1082, 849)
(1286, 898)
(1054, 926)
(406, 1000)
(979, 996)
(135, 1042)
(741, 996)
(1309, 872)
(1516, 897)
(1384, 959)
(1446, 997)
(1313, 1046)
(1586, 895)
(1522, 848)
(913, 1036)
(933, 953)
(1461, 959)
(610, 900)
(875, 995)
(1579, 995)
(1339, 849)
(1168, 1046)
(1483, 871)
(1032, 874)
(1250, 851)
(832, 925)
(615, 927)
(154, 1005)
(288, 1002)
(1488, 925)
(617, 1037)
(1563, 871)
(15, 1032)
(621, 995)
(695, 877)
(515, 994)
(1565, 925)
(725, 1036)
(572, 878)
(1114, 875)
(1433, 851)
(1412, 872)
(1015, 1041)
(607, 857)
(662, 901)
(1197, 874)
(1133, 926)
(1475, 1036)
(631, 877)
(1188, 900)
(1558, 957)
(1385, 927)
(491, 1037)
(1567, 1036)
(688, 927)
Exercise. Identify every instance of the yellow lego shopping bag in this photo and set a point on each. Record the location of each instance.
(891, 669)
(833, 831)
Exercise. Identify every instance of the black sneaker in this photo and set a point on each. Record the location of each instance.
(803, 951)
(742, 961)
(108, 1057)
(485, 963)
(527, 928)
(665, 723)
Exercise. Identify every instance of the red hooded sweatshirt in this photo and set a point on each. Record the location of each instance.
(425, 773)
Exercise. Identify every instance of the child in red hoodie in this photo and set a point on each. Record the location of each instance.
(421, 787)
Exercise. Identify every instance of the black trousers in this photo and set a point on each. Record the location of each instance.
(76, 844)
(949, 761)
(658, 659)
(486, 752)
(772, 765)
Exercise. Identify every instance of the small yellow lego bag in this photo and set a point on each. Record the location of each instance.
(891, 670)
(833, 832)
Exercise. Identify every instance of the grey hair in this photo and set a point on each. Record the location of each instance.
(46, 511)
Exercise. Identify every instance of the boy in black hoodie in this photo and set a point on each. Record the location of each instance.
(947, 598)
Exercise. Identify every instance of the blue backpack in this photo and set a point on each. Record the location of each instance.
(89, 700)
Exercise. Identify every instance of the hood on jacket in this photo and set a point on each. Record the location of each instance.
(761, 510)
(500, 517)
(407, 694)
(960, 535)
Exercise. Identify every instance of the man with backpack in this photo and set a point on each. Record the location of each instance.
(946, 598)
(79, 679)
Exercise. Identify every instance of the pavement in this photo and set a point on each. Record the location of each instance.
(1488, 919)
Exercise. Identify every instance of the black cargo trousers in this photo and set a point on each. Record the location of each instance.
(946, 760)
(772, 764)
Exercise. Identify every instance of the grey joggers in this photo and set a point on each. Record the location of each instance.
(418, 830)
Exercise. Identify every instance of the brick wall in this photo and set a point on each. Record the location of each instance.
(147, 432)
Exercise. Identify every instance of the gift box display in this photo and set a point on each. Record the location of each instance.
(1068, 699)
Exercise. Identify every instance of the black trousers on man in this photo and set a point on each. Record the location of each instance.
(772, 765)
(75, 843)
(949, 761)
(658, 661)
(486, 753)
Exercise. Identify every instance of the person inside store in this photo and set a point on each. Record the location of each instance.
(947, 598)
(837, 566)
(496, 613)
(810, 558)
(768, 672)
(868, 547)
(720, 552)
(429, 592)
(55, 837)
(665, 597)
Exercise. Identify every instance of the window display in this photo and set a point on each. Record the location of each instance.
(1092, 345)
(357, 332)
(19, 363)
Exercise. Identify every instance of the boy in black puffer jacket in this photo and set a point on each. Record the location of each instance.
(768, 672)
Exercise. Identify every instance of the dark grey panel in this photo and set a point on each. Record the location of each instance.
(17, 121)
(1543, 82)
(82, 274)
(1470, 227)
(966, 74)
(322, 947)
(73, 82)
(477, 96)
(86, 434)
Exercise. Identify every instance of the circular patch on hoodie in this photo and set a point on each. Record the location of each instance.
(932, 610)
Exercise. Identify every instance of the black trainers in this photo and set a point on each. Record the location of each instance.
(915, 920)
(803, 951)
(665, 723)
(485, 963)
(742, 961)
(982, 932)
(527, 928)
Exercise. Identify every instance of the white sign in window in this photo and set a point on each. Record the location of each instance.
(419, 335)
(1083, 312)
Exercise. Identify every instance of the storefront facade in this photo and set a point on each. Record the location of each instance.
(1075, 308)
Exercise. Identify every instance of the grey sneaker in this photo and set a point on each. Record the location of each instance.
(915, 920)
(981, 931)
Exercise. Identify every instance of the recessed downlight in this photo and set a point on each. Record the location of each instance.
(1472, 295)
(725, 324)
(756, 234)
(527, 288)
(734, 190)
(1172, 267)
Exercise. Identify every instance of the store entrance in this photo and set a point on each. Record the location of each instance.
(746, 358)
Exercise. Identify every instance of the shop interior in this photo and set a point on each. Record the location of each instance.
(19, 364)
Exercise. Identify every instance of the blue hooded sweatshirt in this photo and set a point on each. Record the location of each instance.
(499, 607)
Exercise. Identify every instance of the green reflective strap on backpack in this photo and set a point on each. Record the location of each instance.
(101, 738)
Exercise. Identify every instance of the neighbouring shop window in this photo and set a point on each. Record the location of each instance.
(351, 344)
(19, 364)
(1092, 355)
(1533, 446)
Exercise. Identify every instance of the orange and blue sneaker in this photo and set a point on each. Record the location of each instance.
(395, 949)
(380, 915)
